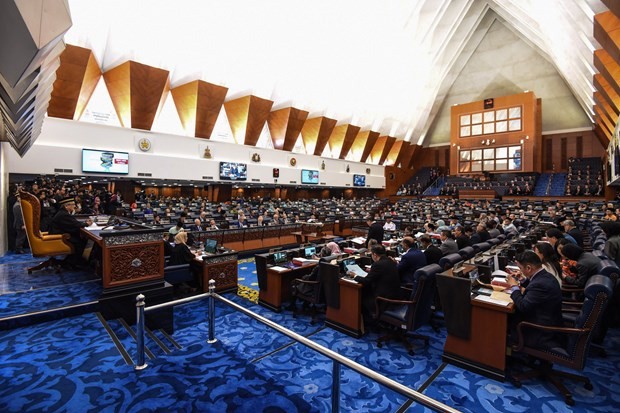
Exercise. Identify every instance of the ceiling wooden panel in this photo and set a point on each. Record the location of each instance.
(349, 132)
(199, 104)
(76, 78)
(315, 134)
(285, 126)
(247, 116)
(602, 103)
(415, 149)
(607, 33)
(607, 91)
(603, 137)
(377, 150)
(138, 93)
(371, 140)
(608, 68)
(602, 118)
(404, 155)
(613, 6)
(389, 142)
(393, 155)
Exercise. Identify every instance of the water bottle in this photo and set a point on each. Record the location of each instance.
(473, 276)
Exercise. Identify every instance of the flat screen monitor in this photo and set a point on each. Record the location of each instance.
(211, 245)
(309, 176)
(280, 257)
(310, 251)
(359, 180)
(233, 171)
(109, 162)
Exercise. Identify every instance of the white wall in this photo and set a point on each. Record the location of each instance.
(174, 157)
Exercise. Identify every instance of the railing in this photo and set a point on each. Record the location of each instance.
(338, 360)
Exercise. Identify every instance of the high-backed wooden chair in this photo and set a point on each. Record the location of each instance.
(42, 244)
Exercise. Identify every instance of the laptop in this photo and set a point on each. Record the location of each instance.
(309, 251)
(211, 246)
(280, 257)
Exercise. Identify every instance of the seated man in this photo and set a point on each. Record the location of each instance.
(537, 299)
(389, 225)
(448, 244)
(381, 281)
(412, 260)
(65, 223)
(431, 252)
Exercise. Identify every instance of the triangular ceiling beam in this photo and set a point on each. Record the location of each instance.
(76, 79)
(247, 116)
(199, 104)
(371, 138)
(138, 93)
(316, 133)
(389, 142)
(393, 154)
(607, 91)
(285, 126)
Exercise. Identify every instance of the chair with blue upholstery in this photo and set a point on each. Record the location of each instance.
(446, 262)
(466, 252)
(406, 316)
(598, 292)
(494, 241)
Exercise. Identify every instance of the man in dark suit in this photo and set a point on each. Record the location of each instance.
(461, 239)
(375, 231)
(537, 299)
(381, 281)
(412, 260)
(573, 231)
(65, 223)
(431, 252)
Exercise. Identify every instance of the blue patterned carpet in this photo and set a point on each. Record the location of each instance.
(72, 365)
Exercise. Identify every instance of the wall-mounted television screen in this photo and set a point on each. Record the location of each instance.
(110, 162)
(309, 176)
(233, 171)
(359, 180)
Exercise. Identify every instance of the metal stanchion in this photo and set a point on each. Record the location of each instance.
(212, 338)
(141, 364)
(336, 387)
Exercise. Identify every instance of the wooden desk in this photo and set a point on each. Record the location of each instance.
(484, 352)
(279, 286)
(305, 237)
(477, 194)
(348, 317)
(129, 256)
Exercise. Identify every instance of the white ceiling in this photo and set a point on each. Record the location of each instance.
(391, 66)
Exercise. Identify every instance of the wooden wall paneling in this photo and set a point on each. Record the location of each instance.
(563, 153)
(198, 104)
(607, 33)
(603, 136)
(149, 89)
(351, 133)
(285, 126)
(371, 140)
(377, 150)
(389, 143)
(415, 153)
(608, 68)
(601, 84)
(579, 150)
(548, 147)
(247, 116)
(315, 134)
(392, 156)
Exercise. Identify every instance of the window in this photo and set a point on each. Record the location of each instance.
(490, 122)
(503, 158)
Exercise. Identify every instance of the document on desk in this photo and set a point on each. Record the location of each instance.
(278, 268)
(492, 300)
(359, 240)
(356, 269)
(93, 227)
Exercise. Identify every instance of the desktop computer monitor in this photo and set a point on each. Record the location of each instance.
(280, 257)
(309, 251)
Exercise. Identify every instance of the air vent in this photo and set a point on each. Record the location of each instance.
(58, 170)
(323, 183)
(255, 180)
(207, 177)
(292, 182)
(145, 174)
(68, 171)
(348, 184)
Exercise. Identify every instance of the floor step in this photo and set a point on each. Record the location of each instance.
(117, 341)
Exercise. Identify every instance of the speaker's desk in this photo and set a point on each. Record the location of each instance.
(482, 348)
(221, 267)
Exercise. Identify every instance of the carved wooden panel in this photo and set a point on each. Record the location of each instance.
(271, 232)
(128, 264)
(233, 235)
(224, 274)
(285, 126)
(76, 79)
(199, 104)
(247, 116)
(253, 233)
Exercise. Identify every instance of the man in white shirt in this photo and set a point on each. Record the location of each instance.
(389, 225)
